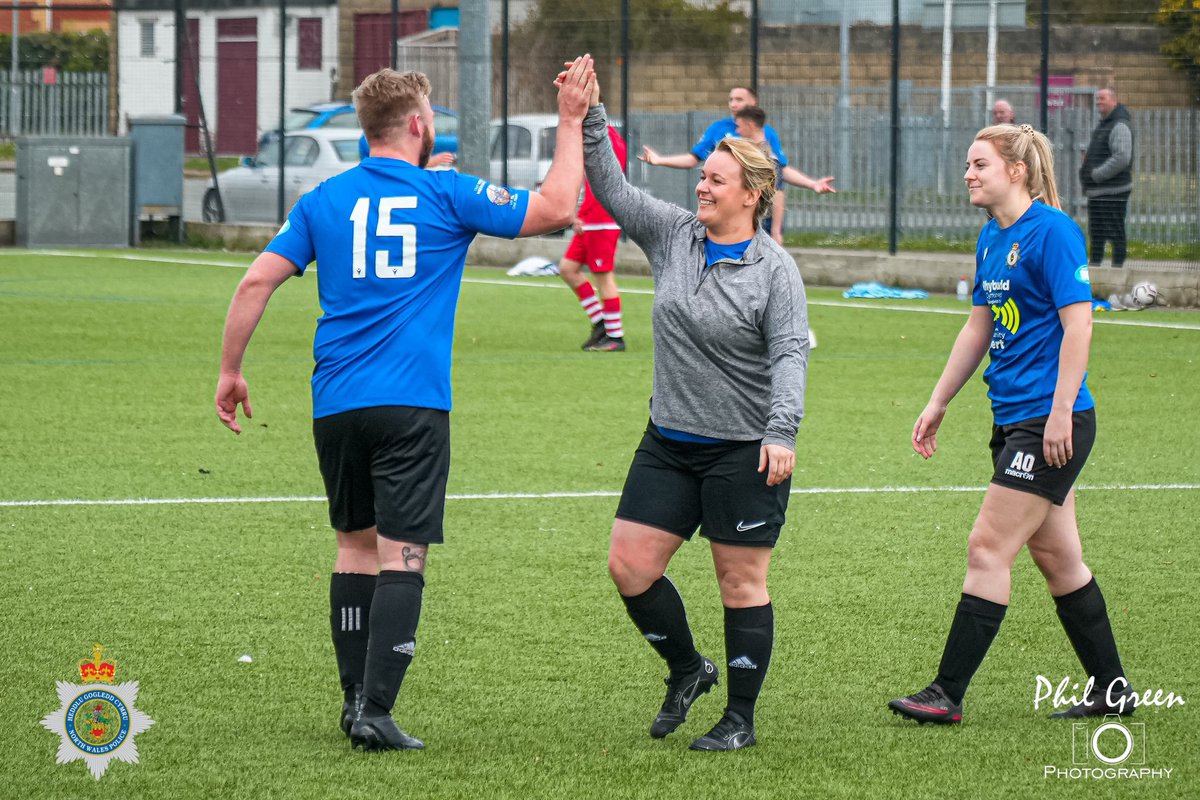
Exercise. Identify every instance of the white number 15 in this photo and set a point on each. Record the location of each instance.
(407, 234)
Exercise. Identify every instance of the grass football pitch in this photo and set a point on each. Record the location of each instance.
(529, 680)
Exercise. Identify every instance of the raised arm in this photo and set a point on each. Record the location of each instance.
(797, 178)
(677, 161)
(552, 207)
(646, 219)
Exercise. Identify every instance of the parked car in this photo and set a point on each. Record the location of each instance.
(341, 115)
(249, 193)
(531, 139)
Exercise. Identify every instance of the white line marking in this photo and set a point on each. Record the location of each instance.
(531, 284)
(180, 501)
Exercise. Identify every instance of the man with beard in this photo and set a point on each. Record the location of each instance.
(392, 240)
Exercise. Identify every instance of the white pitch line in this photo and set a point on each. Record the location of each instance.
(1179, 326)
(179, 501)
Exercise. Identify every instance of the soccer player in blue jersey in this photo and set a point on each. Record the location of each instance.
(1032, 311)
(391, 239)
(742, 97)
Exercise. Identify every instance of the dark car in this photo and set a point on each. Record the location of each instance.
(341, 115)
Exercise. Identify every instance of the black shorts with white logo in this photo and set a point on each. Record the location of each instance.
(386, 466)
(679, 486)
(1020, 463)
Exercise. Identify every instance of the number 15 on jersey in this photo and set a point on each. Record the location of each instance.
(384, 230)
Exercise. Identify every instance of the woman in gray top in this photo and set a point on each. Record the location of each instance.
(730, 352)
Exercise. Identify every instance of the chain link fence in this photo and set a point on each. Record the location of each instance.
(823, 70)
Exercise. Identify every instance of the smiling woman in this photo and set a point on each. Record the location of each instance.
(730, 356)
(1032, 314)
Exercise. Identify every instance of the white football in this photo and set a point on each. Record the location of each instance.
(1144, 294)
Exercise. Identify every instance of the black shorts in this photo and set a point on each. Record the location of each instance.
(679, 486)
(386, 466)
(1020, 463)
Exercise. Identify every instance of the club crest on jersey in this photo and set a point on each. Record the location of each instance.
(1014, 255)
(498, 195)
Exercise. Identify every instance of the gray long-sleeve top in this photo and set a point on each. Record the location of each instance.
(730, 340)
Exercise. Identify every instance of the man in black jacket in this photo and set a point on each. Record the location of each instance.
(1107, 178)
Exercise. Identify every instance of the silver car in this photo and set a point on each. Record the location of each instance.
(531, 139)
(249, 193)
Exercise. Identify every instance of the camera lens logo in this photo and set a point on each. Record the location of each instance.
(1110, 743)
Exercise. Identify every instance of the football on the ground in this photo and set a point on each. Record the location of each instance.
(1144, 294)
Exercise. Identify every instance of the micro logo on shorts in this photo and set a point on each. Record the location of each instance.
(1021, 466)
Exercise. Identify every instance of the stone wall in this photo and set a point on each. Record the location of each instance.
(1126, 58)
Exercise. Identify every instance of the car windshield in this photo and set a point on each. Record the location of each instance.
(519, 142)
(347, 150)
(343, 119)
(546, 148)
(298, 118)
(268, 156)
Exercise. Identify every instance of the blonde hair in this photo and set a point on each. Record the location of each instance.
(758, 173)
(1019, 144)
(386, 98)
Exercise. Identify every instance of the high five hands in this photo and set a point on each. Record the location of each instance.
(577, 88)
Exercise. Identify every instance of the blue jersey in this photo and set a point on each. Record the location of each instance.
(1025, 273)
(390, 240)
(727, 127)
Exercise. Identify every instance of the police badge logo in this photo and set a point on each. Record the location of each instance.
(97, 721)
(1014, 255)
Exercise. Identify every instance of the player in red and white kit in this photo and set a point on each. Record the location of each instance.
(595, 246)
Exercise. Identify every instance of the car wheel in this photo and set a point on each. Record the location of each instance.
(213, 210)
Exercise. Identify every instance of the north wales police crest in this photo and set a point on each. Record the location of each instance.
(97, 720)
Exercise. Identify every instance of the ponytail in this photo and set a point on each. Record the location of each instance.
(1022, 144)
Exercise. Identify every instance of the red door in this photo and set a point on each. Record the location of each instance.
(237, 86)
(372, 38)
(190, 52)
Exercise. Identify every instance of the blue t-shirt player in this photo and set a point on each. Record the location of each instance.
(390, 242)
(1025, 273)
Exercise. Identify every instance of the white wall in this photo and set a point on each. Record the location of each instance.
(303, 86)
(146, 85)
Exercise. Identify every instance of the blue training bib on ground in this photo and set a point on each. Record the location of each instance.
(390, 240)
(1025, 273)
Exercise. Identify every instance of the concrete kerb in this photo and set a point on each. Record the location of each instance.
(933, 272)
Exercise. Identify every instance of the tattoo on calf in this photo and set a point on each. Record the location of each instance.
(414, 558)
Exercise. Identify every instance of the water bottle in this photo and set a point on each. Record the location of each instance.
(964, 289)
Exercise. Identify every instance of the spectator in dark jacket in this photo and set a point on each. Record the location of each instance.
(1107, 179)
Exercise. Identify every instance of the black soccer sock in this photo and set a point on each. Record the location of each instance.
(659, 614)
(350, 595)
(1084, 616)
(749, 636)
(395, 611)
(976, 623)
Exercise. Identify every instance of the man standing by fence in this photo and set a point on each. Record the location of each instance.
(1107, 179)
